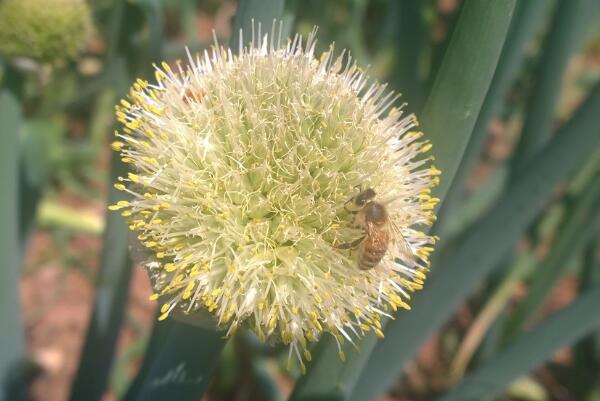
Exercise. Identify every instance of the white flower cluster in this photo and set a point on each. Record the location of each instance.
(242, 165)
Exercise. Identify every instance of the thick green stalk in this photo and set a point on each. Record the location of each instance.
(112, 287)
(12, 347)
(35, 165)
(448, 119)
(586, 352)
(179, 365)
(525, 24)
(569, 25)
(27, 193)
(482, 248)
(409, 45)
(109, 304)
(531, 349)
(457, 95)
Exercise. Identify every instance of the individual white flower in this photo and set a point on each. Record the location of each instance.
(242, 165)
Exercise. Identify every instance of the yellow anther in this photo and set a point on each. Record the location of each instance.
(425, 148)
(414, 135)
(434, 171)
(165, 66)
(159, 75)
(133, 125)
(119, 205)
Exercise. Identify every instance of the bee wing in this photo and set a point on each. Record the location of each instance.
(352, 244)
(405, 251)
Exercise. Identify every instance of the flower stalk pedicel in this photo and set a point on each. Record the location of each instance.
(242, 167)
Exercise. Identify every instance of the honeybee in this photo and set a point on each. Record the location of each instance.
(379, 231)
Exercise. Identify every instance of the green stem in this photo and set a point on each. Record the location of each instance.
(410, 38)
(178, 363)
(526, 22)
(109, 305)
(459, 90)
(587, 351)
(493, 307)
(12, 347)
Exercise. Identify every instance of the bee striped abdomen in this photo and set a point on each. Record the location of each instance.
(372, 250)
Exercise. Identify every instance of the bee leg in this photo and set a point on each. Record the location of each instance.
(346, 206)
(351, 245)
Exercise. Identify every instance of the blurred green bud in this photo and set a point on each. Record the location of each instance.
(44, 30)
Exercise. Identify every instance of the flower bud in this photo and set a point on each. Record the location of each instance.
(44, 30)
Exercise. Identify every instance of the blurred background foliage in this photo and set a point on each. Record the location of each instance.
(509, 93)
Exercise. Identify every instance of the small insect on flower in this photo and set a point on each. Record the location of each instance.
(379, 232)
(242, 168)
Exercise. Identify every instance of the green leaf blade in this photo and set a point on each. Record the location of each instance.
(526, 22)
(452, 107)
(109, 305)
(179, 363)
(12, 347)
